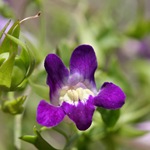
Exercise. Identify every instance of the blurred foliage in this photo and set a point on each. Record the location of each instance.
(106, 25)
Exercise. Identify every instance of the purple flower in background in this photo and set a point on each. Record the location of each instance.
(73, 93)
(144, 51)
(132, 49)
(3, 22)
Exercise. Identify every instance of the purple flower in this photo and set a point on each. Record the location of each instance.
(3, 22)
(73, 93)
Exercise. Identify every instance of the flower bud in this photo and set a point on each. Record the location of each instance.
(14, 106)
(16, 63)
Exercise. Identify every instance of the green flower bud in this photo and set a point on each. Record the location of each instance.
(14, 106)
(15, 64)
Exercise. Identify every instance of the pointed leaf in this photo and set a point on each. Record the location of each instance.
(29, 138)
(16, 40)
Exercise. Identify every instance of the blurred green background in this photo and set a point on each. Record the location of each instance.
(119, 32)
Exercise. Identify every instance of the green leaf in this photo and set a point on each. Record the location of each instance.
(37, 141)
(110, 117)
(4, 29)
(6, 72)
(14, 106)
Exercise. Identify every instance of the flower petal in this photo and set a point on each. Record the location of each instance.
(83, 61)
(57, 74)
(48, 115)
(110, 96)
(81, 113)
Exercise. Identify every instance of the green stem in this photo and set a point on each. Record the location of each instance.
(17, 131)
(141, 8)
(42, 28)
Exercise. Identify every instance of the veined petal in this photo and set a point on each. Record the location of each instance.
(83, 61)
(57, 75)
(110, 96)
(81, 113)
(48, 115)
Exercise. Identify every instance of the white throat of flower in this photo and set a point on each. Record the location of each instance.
(73, 95)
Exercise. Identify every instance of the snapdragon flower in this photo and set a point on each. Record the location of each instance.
(73, 92)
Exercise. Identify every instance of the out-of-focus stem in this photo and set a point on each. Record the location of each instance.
(42, 29)
(141, 8)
